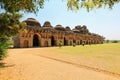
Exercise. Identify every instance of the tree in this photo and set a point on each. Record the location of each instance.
(90, 4)
(10, 19)
(115, 41)
(34, 5)
(3, 48)
(21, 5)
(107, 41)
(9, 26)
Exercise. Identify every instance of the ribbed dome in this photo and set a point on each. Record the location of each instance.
(78, 27)
(76, 30)
(84, 26)
(95, 34)
(59, 27)
(32, 22)
(47, 24)
(84, 30)
(68, 28)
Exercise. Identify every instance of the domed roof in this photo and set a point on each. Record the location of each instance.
(47, 24)
(84, 30)
(84, 26)
(32, 22)
(68, 28)
(59, 27)
(78, 27)
(76, 30)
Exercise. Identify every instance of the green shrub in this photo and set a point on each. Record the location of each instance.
(60, 44)
(10, 43)
(83, 43)
(107, 41)
(3, 49)
(74, 45)
(115, 41)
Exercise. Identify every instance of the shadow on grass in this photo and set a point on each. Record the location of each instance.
(3, 65)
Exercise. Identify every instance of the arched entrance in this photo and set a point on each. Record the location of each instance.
(87, 42)
(36, 41)
(81, 42)
(52, 41)
(74, 41)
(65, 41)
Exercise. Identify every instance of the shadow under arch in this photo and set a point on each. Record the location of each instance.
(52, 41)
(36, 40)
(65, 41)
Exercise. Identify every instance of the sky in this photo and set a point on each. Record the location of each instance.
(104, 21)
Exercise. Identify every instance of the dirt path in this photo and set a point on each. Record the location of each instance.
(26, 64)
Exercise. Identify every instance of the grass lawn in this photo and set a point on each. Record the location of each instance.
(102, 56)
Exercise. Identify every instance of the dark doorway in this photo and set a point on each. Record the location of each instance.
(87, 42)
(35, 41)
(81, 42)
(65, 41)
(52, 41)
(74, 41)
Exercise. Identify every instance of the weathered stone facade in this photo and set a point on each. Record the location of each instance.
(47, 35)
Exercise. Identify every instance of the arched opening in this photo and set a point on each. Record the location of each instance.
(74, 41)
(65, 41)
(52, 41)
(81, 42)
(87, 42)
(26, 44)
(35, 40)
(46, 43)
(77, 42)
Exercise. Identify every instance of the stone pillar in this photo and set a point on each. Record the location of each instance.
(30, 42)
(42, 42)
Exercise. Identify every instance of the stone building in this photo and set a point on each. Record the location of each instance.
(47, 35)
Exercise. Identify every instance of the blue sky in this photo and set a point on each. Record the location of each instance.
(102, 21)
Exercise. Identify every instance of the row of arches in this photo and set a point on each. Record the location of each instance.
(37, 42)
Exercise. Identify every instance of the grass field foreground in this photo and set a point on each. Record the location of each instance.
(102, 56)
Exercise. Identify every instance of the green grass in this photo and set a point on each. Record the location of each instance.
(103, 56)
(2, 65)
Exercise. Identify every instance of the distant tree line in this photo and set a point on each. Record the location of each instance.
(112, 41)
